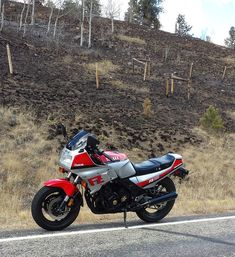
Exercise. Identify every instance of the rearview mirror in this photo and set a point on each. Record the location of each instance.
(92, 141)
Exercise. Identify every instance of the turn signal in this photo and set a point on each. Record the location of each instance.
(70, 203)
(61, 170)
(83, 183)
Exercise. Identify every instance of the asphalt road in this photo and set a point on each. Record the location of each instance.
(210, 236)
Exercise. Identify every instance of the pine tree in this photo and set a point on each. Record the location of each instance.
(230, 41)
(144, 12)
(132, 14)
(74, 7)
(182, 28)
(149, 11)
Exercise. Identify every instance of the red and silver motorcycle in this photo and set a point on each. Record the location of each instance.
(109, 182)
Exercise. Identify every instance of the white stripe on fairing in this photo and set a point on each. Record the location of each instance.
(72, 233)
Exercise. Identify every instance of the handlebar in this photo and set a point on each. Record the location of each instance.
(97, 151)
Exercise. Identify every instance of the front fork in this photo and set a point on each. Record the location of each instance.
(70, 188)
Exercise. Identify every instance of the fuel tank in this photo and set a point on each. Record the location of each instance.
(123, 169)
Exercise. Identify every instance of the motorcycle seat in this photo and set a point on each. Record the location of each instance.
(154, 165)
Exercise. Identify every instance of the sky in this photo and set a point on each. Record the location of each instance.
(207, 17)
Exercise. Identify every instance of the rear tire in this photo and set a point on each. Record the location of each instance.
(168, 186)
(44, 207)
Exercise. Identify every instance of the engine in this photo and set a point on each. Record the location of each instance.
(112, 197)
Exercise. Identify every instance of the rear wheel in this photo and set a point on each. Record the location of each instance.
(159, 211)
(46, 212)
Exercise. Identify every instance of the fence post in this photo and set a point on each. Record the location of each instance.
(167, 87)
(189, 89)
(145, 70)
(172, 86)
(97, 76)
(9, 59)
(224, 72)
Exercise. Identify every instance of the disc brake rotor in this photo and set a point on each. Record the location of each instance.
(52, 206)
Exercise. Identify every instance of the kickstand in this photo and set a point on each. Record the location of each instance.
(125, 224)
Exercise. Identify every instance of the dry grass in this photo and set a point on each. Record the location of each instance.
(135, 40)
(147, 107)
(231, 114)
(26, 159)
(68, 59)
(210, 186)
(105, 67)
(229, 60)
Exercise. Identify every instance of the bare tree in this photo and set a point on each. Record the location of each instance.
(2, 10)
(82, 23)
(90, 20)
(56, 21)
(59, 15)
(50, 17)
(33, 13)
(112, 10)
(26, 17)
(21, 15)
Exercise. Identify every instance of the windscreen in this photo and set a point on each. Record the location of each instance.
(79, 141)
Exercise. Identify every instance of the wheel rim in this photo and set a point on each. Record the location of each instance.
(158, 190)
(50, 206)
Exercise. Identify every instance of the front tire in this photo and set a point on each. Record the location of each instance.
(45, 209)
(159, 211)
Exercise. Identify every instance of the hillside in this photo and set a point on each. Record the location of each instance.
(54, 82)
(56, 79)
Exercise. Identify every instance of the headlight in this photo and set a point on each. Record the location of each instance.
(66, 158)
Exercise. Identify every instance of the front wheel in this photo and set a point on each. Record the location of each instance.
(45, 209)
(159, 211)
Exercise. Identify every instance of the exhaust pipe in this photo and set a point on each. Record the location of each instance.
(161, 199)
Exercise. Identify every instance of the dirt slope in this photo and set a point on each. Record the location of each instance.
(55, 78)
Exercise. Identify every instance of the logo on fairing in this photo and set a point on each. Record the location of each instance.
(96, 180)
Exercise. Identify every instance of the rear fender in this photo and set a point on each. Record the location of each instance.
(64, 184)
(181, 173)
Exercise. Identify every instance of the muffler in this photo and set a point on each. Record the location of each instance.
(161, 199)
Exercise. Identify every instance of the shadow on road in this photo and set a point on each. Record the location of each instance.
(205, 238)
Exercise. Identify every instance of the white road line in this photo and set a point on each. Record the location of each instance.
(72, 233)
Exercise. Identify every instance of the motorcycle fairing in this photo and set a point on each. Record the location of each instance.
(69, 188)
(82, 160)
(97, 176)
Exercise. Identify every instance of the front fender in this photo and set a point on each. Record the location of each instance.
(64, 184)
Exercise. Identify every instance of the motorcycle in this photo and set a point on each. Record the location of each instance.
(109, 182)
